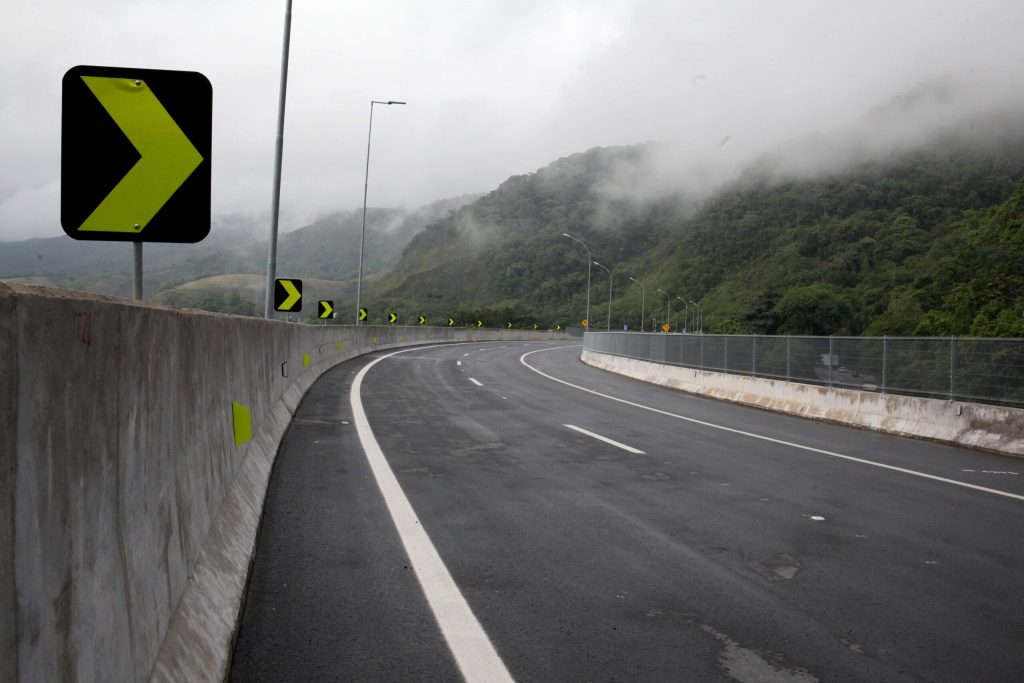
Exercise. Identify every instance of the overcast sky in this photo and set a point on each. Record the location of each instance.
(494, 87)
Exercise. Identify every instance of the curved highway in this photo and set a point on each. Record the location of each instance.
(503, 511)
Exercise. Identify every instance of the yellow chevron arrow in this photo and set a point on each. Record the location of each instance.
(328, 309)
(293, 295)
(168, 157)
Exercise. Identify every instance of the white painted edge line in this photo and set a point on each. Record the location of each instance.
(522, 359)
(475, 382)
(472, 649)
(606, 440)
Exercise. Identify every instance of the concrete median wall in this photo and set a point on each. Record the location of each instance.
(129, 511)
(976, 425)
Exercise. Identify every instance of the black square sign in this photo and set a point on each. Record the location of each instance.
(135, 154)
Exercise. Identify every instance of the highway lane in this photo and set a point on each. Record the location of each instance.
(713, 555)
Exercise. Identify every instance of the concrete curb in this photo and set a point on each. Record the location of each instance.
(986, 427)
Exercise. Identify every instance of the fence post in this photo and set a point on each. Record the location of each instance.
(753, 355)
(701, 362)
(725, 352)
(830, 361)
(885, 361)
(787, 359)
(952, 368)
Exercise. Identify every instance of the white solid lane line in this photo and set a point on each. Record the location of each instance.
(606, 440)
(712, 425)
(475, 382)
(472, 649)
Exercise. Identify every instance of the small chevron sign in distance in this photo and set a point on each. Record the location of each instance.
(451, 322)
(535, 326)
(392, 318)
(326, 309)
(363, 313)
(287, 295)
(422, 320)
(510, 325)
(479, 323)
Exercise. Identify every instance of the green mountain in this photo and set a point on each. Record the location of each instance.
(924, 241)
(187, 274)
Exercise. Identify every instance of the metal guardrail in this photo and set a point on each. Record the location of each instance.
(975, 369)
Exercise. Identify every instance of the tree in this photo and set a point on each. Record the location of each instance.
(812, 309)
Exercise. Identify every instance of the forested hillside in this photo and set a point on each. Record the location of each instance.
(916, 242)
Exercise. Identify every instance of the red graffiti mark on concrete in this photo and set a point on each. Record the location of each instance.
(83, 327)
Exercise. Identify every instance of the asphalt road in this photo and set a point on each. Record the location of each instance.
(736, 545)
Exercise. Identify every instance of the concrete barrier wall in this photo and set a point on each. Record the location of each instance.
(129, 512)
(976, 425)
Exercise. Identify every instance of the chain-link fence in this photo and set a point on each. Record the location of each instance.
(956, 368)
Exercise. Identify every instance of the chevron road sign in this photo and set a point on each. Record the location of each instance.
(287, 295)
(135, 154)
(325, 309)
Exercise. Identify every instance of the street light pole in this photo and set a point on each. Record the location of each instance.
(643, 303)
(700, 312)
(686, 311)
(366, 185)
(668, 306)
(275, 209)
(608, 327)
(589, 259)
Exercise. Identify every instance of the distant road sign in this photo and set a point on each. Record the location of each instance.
(423, 321)
(510, 325)
(558, 327)
(451, 322)
(362, 314)
(392, 318)
(479, 323)
(287, 295)
(666, 327)
(135, 154)
(535, 326)
(586, 322)
(326, 309)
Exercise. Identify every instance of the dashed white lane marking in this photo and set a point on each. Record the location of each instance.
(761, 437)
(472, 649)
(475, 382)
(458, 362)
(623, 446)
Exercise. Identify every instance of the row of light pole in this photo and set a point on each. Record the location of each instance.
(643, 294)
(276, 197)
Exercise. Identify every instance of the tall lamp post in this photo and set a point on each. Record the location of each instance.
(275, 201)
(366, 185)
(642, 302)
(589, 259)
(686, 311)
(668, 306)
(608, 327)
(700, 313)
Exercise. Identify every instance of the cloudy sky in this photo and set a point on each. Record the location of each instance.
(494, 87)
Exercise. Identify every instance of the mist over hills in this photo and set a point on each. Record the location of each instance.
(810, 239)
(906, 221)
